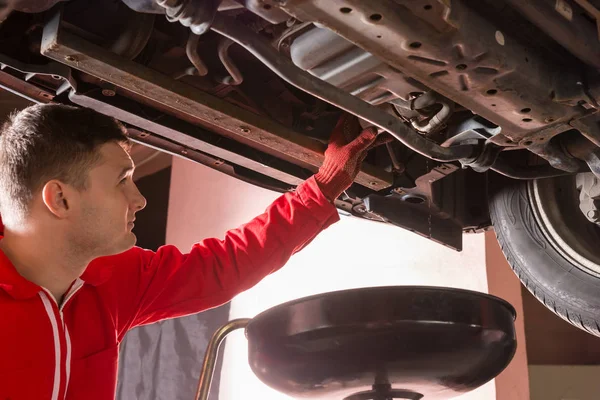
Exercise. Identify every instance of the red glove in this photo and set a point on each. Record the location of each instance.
(344, 156)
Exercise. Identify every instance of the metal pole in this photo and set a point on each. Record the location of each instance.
(210, 358)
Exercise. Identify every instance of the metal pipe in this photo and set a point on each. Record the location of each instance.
(191, 49)
(583, 149)
(425, 100)
(589, 127)
(556, 156)
(283, 67)
(526, 173)
(579, 146)
(210, 358)
(395, 163)
(235, 76)
(436, 121)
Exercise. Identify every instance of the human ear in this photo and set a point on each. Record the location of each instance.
(55, 196)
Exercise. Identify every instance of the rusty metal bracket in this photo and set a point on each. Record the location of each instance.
(556, 156)
(422, 209)
(589, 127)
(416, 219)
(188, 141)
(456, 52)
(56, 79)
(24, 89)
(192, 105)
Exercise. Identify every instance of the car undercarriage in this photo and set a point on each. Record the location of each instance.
(492, 105)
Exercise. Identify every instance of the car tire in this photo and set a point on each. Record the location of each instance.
(535, 251)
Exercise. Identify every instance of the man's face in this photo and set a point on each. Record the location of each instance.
(108, 205)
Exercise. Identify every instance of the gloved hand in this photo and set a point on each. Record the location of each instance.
(344, 155)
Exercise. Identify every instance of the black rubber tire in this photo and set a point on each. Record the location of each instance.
(568, 291)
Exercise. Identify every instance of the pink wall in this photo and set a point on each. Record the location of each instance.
(513, 383)
(206, 203)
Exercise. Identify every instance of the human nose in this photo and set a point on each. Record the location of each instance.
(138, 201)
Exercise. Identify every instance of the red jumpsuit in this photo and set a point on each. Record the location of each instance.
(70, 351)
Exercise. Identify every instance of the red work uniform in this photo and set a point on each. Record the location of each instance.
(52, 352)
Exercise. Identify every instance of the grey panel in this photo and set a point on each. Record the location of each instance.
(332, 58)
(162, 361)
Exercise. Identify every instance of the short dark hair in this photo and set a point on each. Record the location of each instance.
(50, 141)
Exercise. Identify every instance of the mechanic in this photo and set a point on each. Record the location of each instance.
(72, 282)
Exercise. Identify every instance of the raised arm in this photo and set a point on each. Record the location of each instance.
(166, 284)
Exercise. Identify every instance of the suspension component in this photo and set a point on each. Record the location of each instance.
(198, 16)
(433, 123)
(589, 196)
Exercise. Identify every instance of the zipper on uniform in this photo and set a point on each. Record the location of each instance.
(48, 299)
(76, 286)
(74, 289)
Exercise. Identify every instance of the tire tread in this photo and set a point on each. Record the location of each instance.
(523, 211)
